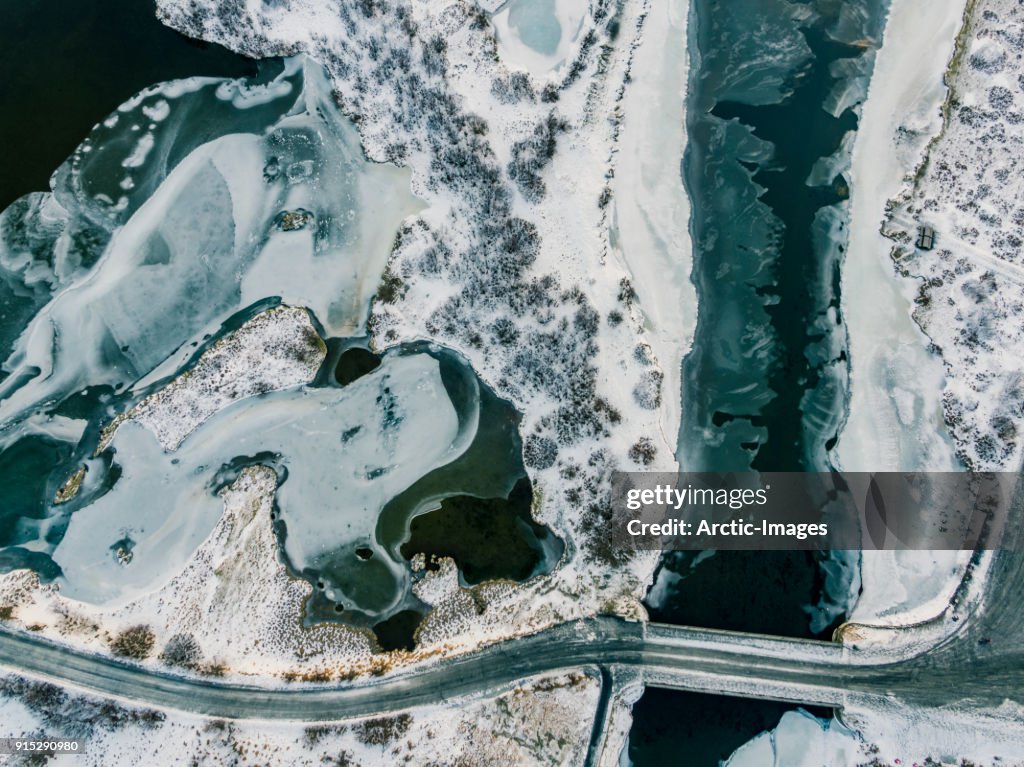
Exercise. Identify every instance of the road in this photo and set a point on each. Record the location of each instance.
(800, 671)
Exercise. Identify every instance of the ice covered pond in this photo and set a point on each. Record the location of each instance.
(342, 454)
(186, 303)
(537, 35)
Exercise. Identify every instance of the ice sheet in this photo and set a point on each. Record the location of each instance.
(346, 452)
(800, 740)
(207, 243)
(895, 417)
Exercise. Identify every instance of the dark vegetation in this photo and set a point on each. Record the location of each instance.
(135, 643)
(384, 730)
(71, 716)
(643, 452)
(531, 155)
(181, 650)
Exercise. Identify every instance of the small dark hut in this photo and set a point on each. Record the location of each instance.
(925, 237)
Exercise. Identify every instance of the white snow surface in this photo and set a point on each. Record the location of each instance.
(895, 420)
(275, 350)
(800, 740)
(649, 209)
(969, 290)
(538, 722)
(906, 735)
(891, 366)
(888, 734)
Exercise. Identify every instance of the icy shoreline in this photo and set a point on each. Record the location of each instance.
(895, 416)
(968, 288)
(650, 209)
(895, 420)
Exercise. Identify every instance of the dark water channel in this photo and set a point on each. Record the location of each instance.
(688, 729)
(770, 111)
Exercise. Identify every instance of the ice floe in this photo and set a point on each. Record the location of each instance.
(800, 740)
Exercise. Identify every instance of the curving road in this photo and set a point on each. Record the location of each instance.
(741, 664)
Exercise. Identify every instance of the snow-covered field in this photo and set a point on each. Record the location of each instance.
(895, 420)
(897, 734)
(539, 721)
(968, 298)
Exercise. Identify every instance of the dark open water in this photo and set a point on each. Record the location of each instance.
(764, 386)
(688, 729)
(67, 65)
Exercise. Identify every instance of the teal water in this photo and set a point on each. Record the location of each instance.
(25, 487)
(536, 24)
(93, 188)
(765, 382)
(476, 509)
(765, 284)
(764, 385)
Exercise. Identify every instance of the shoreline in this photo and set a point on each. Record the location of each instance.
(894, 411)
(651, 206)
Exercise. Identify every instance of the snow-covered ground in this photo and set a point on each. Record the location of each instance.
(276, 350)
(889, 735)
(895, 417)
(539, 721)
(969, 298)
(515, 261)
(898, 380)
(649, 207)
(906, 735)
